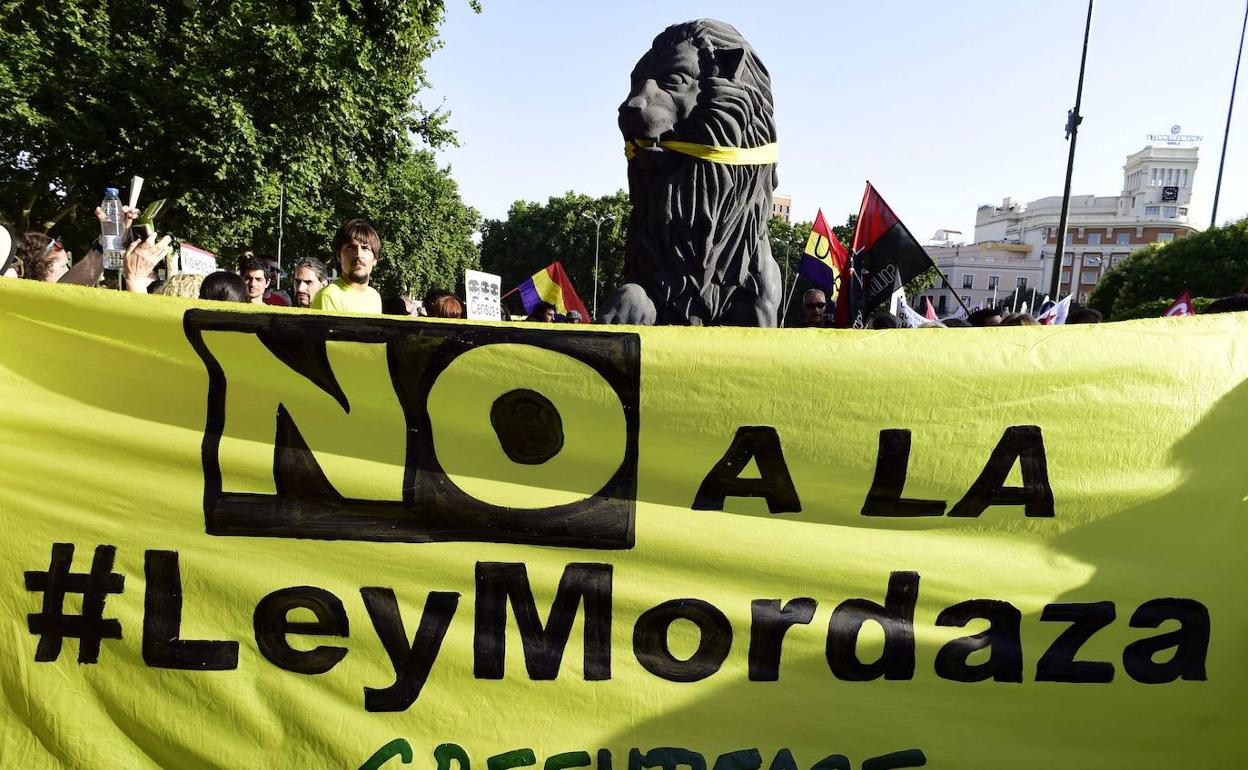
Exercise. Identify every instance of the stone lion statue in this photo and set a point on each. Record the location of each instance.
(700, 138)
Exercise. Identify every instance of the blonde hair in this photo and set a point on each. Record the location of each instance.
(1019, 319)
(182, 285)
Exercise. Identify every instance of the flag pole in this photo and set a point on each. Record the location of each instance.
(945, 279)
(1073, 119)
(788, 299)
(1217, 190)
(281, 215)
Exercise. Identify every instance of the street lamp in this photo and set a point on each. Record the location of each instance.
(597, 227)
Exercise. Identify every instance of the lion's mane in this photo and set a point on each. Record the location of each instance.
(698, 235)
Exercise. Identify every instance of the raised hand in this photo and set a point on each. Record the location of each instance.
(142, 257)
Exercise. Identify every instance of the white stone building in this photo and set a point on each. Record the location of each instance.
(1017, 241)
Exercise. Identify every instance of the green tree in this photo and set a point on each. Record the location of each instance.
(535, 234)
(221, 104)
(788, 242)
(1157, 308)
(1212, 263)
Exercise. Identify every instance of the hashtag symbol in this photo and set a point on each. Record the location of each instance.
(53, 625)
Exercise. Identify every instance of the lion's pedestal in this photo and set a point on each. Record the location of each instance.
(701, 145)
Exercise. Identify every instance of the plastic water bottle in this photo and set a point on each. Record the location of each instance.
(112, 230)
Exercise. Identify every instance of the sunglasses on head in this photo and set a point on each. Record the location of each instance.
(53, 244)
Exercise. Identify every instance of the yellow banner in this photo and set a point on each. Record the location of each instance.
(274, 538)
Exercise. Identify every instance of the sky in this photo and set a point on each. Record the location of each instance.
(942, 106)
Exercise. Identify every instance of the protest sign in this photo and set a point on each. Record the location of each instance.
(483, 295)
(368, 542)
(192, 259)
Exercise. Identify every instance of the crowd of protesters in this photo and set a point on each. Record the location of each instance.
(356, 249)
(818, 312)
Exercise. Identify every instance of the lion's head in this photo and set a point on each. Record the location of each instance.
(700, 82)
(698, 237)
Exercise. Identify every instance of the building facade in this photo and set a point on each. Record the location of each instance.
(782, 206)
(985, 273)
(1153, 207)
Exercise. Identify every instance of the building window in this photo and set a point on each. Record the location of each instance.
(1022, 284)
(1165, 237)
(966, 300)
(1184, 178)
(1087, 276)
(1066, 260)
(1171, 212)
(1070, 238)
(1066, 276)
(994, 281)
(968, 282)
(1152, 211)
(941, 303)
(1091, 260)
(1122, 239)
(1182, 211)
(1094, 239)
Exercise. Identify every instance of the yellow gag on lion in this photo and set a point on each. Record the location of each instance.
(283, 539)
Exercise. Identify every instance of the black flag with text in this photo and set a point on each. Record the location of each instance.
(886, 252)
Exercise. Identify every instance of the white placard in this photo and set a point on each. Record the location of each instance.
(193, 259)
(482, 291)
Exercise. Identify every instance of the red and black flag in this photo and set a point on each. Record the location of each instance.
(885, 253)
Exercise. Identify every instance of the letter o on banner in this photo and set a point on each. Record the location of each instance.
(519, 426)
(650, 640)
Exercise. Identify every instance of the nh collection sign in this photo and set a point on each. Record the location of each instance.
(1176, 137)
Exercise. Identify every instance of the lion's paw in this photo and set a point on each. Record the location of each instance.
(629, 304)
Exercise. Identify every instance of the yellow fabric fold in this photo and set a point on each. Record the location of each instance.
(732, 156)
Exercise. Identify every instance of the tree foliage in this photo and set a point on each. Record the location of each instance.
(535, 234)
(1157, 308)
(1213, 263)
(221, 104)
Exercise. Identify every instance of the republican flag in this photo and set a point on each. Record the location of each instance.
(551, 284)
(1056, 315)
(886, 251)
(1182, 305)
(824, 258)
(929, 312)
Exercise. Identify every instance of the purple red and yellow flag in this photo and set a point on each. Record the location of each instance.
(551, 284)
(824, 258)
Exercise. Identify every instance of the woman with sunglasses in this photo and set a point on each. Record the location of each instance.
(41, 258)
